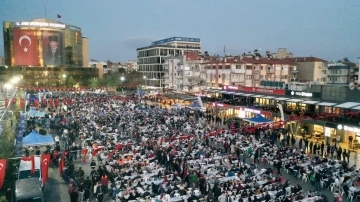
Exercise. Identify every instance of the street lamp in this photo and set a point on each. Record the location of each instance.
(122, 79)
(7, 86)
(64, 76)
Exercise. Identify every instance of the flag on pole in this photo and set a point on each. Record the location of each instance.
(58, 16)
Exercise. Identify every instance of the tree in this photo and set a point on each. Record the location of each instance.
(111, 79)
(69, 81)
(93, 82)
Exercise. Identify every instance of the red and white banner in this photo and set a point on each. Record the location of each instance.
(32, 159)
(25, 47)
(2, 171)
(45, 162)
(83, 153)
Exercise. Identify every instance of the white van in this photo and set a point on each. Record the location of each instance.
(25, 169)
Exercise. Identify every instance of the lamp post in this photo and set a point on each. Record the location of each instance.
(144, 77)
(122, 79)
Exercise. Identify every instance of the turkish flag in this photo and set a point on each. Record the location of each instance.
(25, 47)
(32, 159)
(22, 103)
(45, 162)
(57, 102)
(44, 102)
(70, 101)
(36, 103)
(14, 101)
(65, 101)
(6, 102)
(84, 152)
(2, 171)
(51, 103)
(96, 151)
(62, 164)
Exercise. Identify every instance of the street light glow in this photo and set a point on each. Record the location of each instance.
(8, 86)
(122, 78)
(144, 77)
(64, 75)
(15, 80)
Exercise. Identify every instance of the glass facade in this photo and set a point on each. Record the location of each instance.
(68, 38)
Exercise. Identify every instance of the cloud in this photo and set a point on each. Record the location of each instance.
(134, 42)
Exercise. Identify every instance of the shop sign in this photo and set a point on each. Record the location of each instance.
(226, 87)
(303, 94)
(266, 113)
(265, 90)
(219, 105)
(255, 90)
(348, 128)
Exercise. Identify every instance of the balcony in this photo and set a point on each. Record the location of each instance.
(256, 70)
(271, 71)
(294, 71)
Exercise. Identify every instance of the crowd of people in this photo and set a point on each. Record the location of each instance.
(139, 151)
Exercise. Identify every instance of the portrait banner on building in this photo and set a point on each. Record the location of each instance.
(53, 48)
(26, 47)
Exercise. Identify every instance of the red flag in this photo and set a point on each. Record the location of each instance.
(70, 101)
(6, 102)
(84, 152)
(36, 103)
(95, 152)
(22, 103)
(57, 102)
(2, 171)
(32, 159)
(62, 164)
(25, 47)
(45, 162)
(64, 101)
(58, 16)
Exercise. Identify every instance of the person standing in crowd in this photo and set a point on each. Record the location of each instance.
(278, 167)
(350, 140)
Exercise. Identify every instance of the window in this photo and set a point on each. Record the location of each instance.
(238, 66)
(262, 68)
(219, 76)
(248, 67)
(284, 76)
(248, 76)
(227, 66)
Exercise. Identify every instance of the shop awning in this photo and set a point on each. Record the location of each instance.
(356, 108)
(257, 95)
(310, 102)
(214, 91)
(281, 98)
(239, 94)
(247, 95)
(348, 105)
(294, 100)
(229, 92)
(268, 97)
(328, 104)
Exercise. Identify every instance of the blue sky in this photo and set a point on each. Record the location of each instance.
(328, 29)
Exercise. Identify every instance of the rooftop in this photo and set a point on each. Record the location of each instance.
(174, 39)
(306, 59)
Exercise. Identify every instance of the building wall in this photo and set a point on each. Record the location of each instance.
(85, 52)
(150, 59)
(312, 71)
(2, 61)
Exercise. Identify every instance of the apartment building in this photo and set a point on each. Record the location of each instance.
(342, 73)
(247, 71)
(282, 54)
(150, 59)
(131, 65)
(311, 69)
(182, 72)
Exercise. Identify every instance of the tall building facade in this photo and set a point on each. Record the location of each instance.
(150, 59)
(311, 69)
(43, 43)
(85, 52)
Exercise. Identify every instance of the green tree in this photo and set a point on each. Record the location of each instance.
(69, 81)
(93, 82)
(111, 79)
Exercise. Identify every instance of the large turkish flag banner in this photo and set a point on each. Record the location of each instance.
(26, 47)
(2, 171)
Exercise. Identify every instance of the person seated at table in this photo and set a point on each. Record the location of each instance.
(297, 189)
(267, 197)
(256, 191)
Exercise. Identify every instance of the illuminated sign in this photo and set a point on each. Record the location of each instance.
(185, 39)
(303, 94)
(40, 24)
(348, 128)
(252, 111)
(231, 87)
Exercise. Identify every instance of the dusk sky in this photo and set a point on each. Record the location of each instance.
(328, 29)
